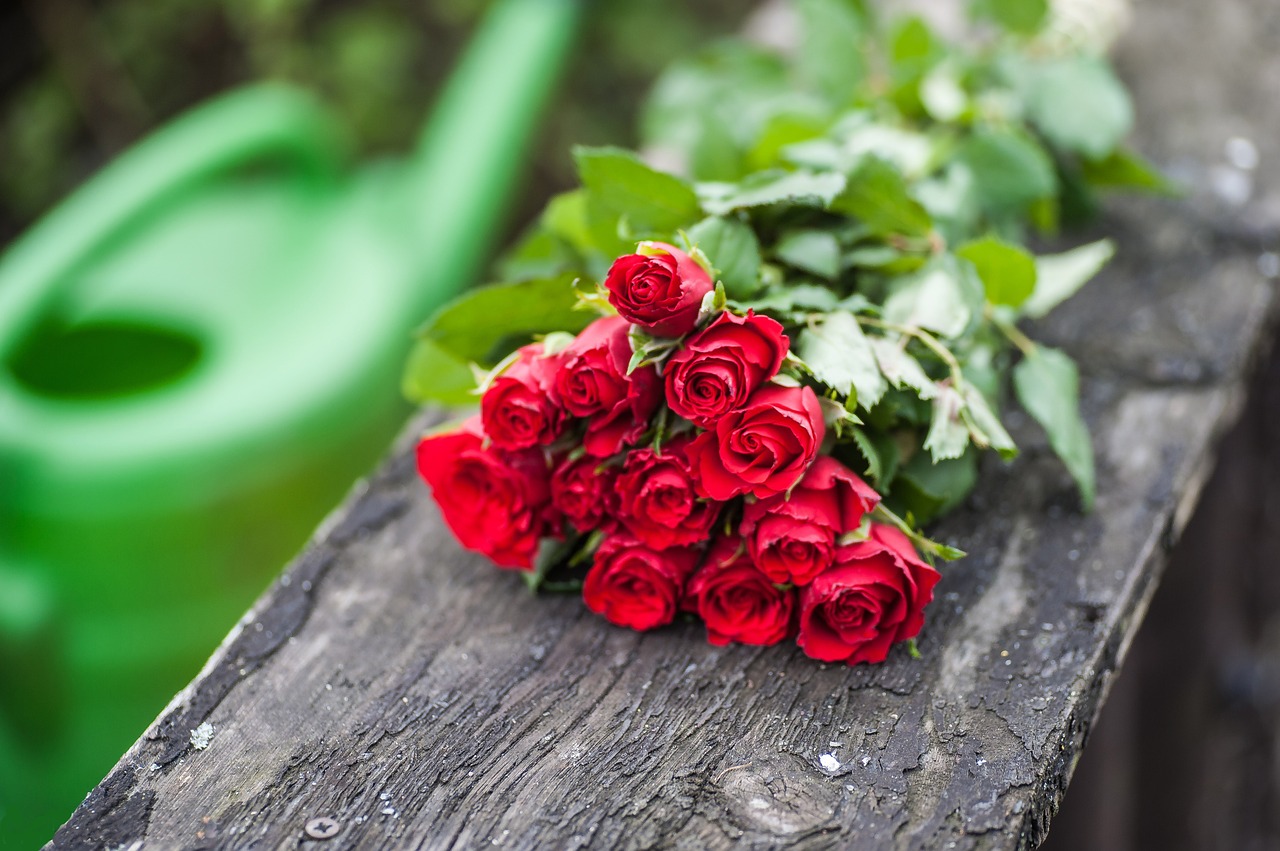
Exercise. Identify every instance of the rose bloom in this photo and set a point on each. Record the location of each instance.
(737, 601)
(592, 383)
(792, 538)
(722, 365)
(637, 586)
(661, 292)
(657, 497)
(873, 596)
(763, 448)
(496, 502)
(581, 491)
(519, 409)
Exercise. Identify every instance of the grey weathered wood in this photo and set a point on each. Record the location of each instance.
(423, 699)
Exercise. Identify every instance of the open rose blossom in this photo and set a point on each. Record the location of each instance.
(592, 383)
(636, 586)
(496, 502)
(737, 601)
(581, 490)
(872, 596)
(722, 365)
(793, 538)
(519, 409)
(661, 292)
(657, 497)
(763, 448)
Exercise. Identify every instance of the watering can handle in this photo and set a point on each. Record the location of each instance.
(268, 121)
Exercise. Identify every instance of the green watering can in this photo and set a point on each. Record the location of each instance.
(199, 352)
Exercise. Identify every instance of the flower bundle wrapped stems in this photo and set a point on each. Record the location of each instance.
(668, 446)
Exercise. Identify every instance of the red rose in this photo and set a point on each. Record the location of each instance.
(763, 448)
(496, 502)
(872, 596)
(636, 586)
(737, 601)
(793, 538)
(722, 365)
(657, 497)
(592, 382)
(519, 409)
(581, 489)
(661, 292)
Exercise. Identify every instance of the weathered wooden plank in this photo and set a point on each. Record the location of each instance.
(421, 698)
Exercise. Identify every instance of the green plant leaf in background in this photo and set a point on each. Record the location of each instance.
(732, 248)
(1059, 276)
(985, 428)
(1123, 169)
(652, 201)
(948, 435)
(1020, 16)
(433, 374)
(840, 356)
(771, 187)
(877, 195)
(943, 297)
(926, 489)
(1048, 386)
(813, 251)
(1010, 170)
(488, 322)
(1008, 272)
(1079, 105)
(830, 59)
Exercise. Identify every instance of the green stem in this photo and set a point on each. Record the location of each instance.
(930, 342)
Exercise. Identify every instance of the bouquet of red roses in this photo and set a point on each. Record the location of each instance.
(739, 391)
(704, 487)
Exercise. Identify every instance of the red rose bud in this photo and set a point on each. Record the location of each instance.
(737, 601)
(793, 538)
(497, 503)
(519, 409)
(592, 382)
(581, 490)
(662, 293)
(722, 365)
(763, 448)
(636, 586)
(873, 596)
(657, 497)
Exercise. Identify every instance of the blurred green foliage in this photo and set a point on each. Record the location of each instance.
(83, 80)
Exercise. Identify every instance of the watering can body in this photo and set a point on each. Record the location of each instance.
(198, 354)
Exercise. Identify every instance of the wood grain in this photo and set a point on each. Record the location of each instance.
(423, 699)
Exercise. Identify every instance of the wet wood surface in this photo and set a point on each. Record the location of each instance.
(417, 697)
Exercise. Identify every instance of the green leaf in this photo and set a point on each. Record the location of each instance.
(732, 248)
(1010, 170)
(840, 356)
(943, 297)
(652, 201)
(783, 299)
(1019, 16)
(985, 428)
(830, 58)
(881, 454)
(1123, 169)
(1047, 385)
(803, 188)
(948, 435)
(926, 489)
(901, 369)
(1008, 272)
(1058, 276)
(485, 323)
(815, 251)
(877, 194)
(552, 552)
(1079, 105)
(434, 375)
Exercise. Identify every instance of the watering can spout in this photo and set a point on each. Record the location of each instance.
(468, 154)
